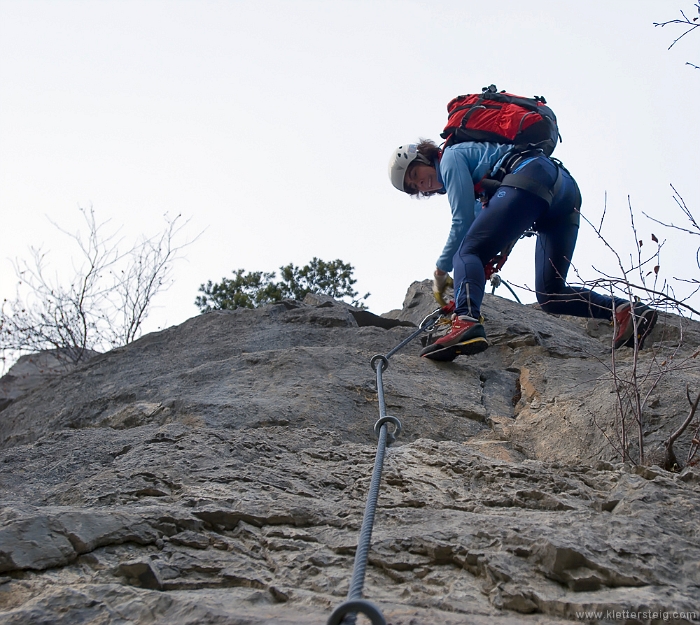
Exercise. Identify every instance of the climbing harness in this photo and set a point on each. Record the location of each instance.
(346, 613)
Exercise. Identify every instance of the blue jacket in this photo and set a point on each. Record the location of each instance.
(461, 167)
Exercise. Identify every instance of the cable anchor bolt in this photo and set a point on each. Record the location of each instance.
(391, 436)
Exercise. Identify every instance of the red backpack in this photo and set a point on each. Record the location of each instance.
(501, 117)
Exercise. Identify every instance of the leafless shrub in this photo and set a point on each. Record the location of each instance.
(102, 305)
(638, 279)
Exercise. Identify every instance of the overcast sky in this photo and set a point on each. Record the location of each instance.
(270, 124)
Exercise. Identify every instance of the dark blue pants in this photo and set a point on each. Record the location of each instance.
(509, 213)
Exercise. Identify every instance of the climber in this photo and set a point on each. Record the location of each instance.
(537, 192)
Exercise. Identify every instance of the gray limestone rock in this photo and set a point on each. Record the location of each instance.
(216, 472)
(32, 370)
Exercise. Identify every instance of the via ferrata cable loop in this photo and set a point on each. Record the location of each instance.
(391, 436)
(379, 358)
(352, 607)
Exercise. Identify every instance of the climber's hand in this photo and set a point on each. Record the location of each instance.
(441, 280)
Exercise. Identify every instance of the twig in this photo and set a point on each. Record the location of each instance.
(670, 455)
(685, 21)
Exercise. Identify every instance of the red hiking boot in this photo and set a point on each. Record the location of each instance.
(466, 336)
(646, 320)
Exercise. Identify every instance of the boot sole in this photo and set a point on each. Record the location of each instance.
(448, 354)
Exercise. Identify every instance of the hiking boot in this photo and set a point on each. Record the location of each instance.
(646, 320)
(466, 336)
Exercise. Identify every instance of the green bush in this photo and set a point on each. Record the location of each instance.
(257, 288)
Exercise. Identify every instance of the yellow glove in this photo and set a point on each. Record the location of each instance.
(440, 282)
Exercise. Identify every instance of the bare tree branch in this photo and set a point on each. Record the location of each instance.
(105, 302)
(691, 25)
(671, 461)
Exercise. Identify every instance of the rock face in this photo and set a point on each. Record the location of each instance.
(216, 472)
(33, 370)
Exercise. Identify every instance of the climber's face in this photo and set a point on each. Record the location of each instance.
(422, 178)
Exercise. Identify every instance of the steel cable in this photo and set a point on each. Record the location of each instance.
(346, 613)
(497, 281)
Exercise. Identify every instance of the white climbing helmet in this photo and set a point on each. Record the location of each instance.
(401, 158)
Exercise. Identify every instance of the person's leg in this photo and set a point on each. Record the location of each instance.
(555, 246)
(556, 240)
(509, 213)
(557, 232)
(552, 260)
